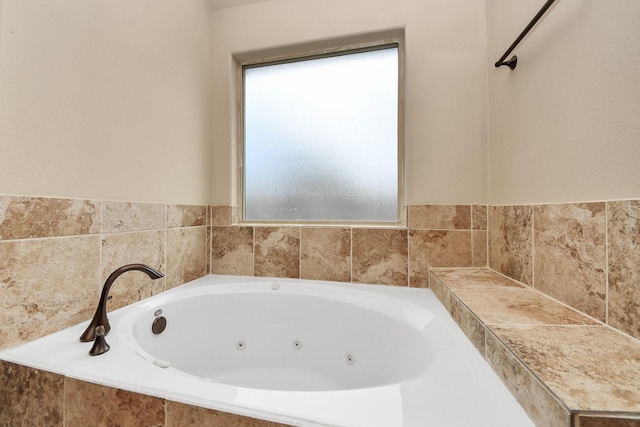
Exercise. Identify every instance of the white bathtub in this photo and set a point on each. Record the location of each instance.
(293, 351)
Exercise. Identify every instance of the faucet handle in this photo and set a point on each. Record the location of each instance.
(100, 345)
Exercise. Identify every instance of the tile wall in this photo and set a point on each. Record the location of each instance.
(436, 236)
(55, 254)
(586, 255)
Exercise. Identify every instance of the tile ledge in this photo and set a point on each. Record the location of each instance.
(486, 278)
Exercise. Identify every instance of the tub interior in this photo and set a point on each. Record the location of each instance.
(287, 340)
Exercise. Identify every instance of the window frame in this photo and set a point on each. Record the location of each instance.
(303, 54)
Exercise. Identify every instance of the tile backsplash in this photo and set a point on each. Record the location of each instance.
(586, 255)
(436, 236)
(55, 254)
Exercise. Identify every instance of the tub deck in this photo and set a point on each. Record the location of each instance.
(458, 389)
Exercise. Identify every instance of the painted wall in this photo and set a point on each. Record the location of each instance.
(565, 124)
(445, 66)
(106, 100)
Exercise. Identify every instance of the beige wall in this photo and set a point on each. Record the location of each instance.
(106, 99)
(565, 124)
(445, 89)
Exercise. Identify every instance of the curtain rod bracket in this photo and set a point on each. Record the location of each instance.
(511, 63)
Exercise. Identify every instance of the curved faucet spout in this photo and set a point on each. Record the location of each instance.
(100, 317)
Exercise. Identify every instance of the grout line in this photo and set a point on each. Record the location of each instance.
(606, 262)
(533, 247)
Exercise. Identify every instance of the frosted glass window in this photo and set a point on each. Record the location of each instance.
(321, 139)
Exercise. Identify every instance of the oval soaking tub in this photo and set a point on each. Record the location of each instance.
(292, 351)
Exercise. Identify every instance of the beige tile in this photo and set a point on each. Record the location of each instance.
(277, 252)
(28, 217)
(479, 257)
(511, 241)
(100, 406)
(131, 216)
(437, 248)
(325, 253)
(145, 247)
(46, 285)
(441, 291)
(474, 278)
(186, 216)
(379, 256)
(439, 217)
(236, 214)
(608, 420)
(220, 215)
(587, 367)
(187, 255)
(570, 255)
(624, 266)
(30, 397)
(519, 306)
(232, 251)
(541, 405)
(182, 415)
(479, 217)
(469, 323)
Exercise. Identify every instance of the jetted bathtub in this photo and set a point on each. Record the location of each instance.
(293, 351)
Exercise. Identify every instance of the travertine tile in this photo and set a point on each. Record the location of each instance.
(186, 216)
(29, 217)
(220, 215)
(182, 415)
(46, 285)
(30, 397)
(277, 252)
(132, 216)
(602, 420)
(145, 247)
(624, 266)
(479, 248)
(541, 405)
(437, 248)
(511, 305)
(474, 278)
(187, 255)
(439, 217)
(100, 406)
(325, 253)
(232, 251)
(587, 367)
(479, 217)
(570, 255)
(441, 291)
(379, 256)
(511, 241)
(469, 323)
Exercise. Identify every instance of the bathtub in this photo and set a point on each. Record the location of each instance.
(299, 352)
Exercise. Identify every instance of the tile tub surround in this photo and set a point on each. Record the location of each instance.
(561, 365)
(436, 235)
(586, 255)
(55, 255)
(32, 397)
